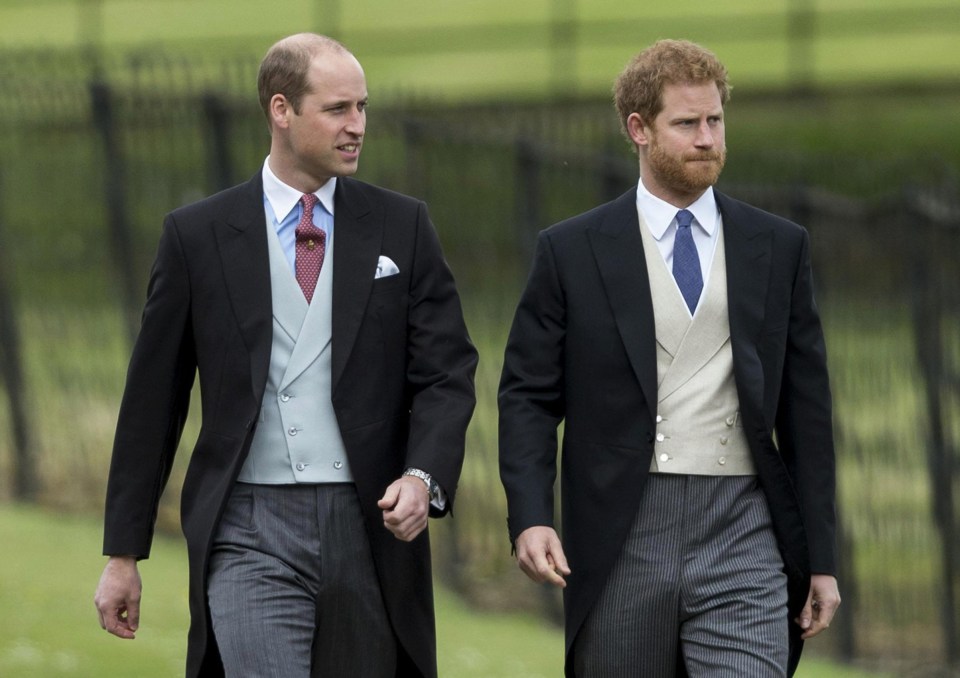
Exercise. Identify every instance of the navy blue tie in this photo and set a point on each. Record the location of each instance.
(686, 261)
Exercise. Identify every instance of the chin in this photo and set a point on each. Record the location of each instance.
(701, 181)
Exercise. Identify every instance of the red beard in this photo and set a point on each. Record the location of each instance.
(686, 174)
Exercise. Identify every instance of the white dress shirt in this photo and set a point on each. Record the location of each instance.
(661, 220)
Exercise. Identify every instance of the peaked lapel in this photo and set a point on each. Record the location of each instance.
(307, 325)
(691, 342)
(618, 251)
(242, 242)
(358, 231)
(314, 338)
(748, 252)
(289, 304)
(669, 308)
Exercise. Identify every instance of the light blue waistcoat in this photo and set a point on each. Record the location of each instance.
(297, 438)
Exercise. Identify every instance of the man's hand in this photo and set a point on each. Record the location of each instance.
(822, 604)
(406, 507)
(118, 597)
(541, 557)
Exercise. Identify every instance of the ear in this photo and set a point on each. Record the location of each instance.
(280, 111)
(638, 130)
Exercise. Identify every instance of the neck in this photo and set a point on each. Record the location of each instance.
(292, 176)
(676, 197)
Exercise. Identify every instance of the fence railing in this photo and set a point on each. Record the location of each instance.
(83, 188)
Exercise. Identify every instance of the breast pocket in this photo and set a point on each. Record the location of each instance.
(390, 284)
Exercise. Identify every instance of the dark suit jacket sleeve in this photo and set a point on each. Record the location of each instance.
(531, 396)
(804, 418)
(154, 405)
(441, 362)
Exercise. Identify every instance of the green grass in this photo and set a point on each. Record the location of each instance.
(848, 142)
(50, 570)
(488, 48)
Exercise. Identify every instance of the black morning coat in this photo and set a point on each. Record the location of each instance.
(583, 350)
(403, 392)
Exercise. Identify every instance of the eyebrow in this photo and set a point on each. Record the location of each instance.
(345, 102)
(696, 116)
(340, 103)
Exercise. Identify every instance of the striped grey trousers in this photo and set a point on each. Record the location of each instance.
(292, 588)
(699, 581)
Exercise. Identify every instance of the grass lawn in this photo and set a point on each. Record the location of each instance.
(480, 49)
(50, 629)
(490, 48)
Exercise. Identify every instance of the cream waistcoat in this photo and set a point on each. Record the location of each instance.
(698, 427)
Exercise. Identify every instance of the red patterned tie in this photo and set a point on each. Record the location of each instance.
(311, 246)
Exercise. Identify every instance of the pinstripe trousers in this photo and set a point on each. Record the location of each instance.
(292, 588)
(699, 581)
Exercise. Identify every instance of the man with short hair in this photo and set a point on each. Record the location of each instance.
(336, 382)
(674, 333)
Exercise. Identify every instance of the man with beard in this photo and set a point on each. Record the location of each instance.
(674, 333)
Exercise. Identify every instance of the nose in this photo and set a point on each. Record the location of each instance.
(705, 138)
(357, 122)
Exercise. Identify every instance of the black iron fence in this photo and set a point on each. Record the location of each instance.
(90, 162)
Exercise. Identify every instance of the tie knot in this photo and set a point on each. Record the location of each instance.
(306, 227)
(309, 201)
(684, 218)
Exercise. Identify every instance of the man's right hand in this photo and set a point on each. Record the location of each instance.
(541, 557)
(118, 597)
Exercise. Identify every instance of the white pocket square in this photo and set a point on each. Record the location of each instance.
(385, 268)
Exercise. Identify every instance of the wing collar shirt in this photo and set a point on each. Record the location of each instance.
(661, 220)
(281, 204)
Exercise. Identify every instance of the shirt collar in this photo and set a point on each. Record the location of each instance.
(284, 198)
(659, 214)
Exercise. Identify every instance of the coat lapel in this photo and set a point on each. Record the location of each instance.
(672, 323)
(358, 232)
(748, 252)
(314, 332)
(306, 325)
(289, 304)
(242, 242)
(705, 334)
(618, 251)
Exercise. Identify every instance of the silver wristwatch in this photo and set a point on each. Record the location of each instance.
(433, 490)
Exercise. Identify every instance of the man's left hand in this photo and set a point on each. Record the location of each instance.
(822, 604)
(406, 507)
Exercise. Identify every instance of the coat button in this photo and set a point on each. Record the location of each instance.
(660, 438)
(284, 397)
(664, 457)
(301, 466)
(293, 430)
(338, 464)
(722, 460)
